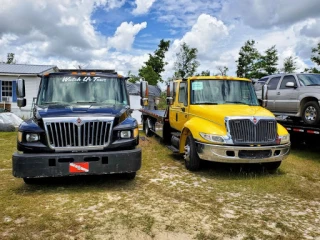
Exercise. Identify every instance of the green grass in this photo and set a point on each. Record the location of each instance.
(165, 201)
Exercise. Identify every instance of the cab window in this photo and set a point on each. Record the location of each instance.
(273, 83)
(287, 79)
(183, 93)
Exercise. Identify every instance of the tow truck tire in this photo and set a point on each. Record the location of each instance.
(272, 166)
(191, 158)
(31, 181)
(311, 113)
(130, 176)
(146, 129)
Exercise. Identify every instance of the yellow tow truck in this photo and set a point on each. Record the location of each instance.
(216, 118)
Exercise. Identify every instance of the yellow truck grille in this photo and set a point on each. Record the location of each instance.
(246, 131)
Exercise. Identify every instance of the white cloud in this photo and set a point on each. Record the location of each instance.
(110, 4)
(143, 6)
(184, 13)
(266, 14)
(125, 35)
(312, 28)
(206, 34)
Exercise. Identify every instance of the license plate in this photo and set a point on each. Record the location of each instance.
(79, 167)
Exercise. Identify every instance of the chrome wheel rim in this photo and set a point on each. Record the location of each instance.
(310, 113)
(187, 152)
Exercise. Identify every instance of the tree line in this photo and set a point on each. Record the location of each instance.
(253, 64)
(186, 65)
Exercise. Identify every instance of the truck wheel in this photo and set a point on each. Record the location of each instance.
(130, 176)
(311, 113)
(272, 166)
(31, 180)
(146, 129)
(191, 158)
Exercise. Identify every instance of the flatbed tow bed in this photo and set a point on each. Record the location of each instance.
(299, 126)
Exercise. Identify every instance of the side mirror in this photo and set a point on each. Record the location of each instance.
(144, 93)
(170, 93)
(20, 90)
(21, 102)
(21, 93)
(290, 85)
(264, 95)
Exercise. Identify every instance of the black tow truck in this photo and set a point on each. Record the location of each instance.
(81, 124)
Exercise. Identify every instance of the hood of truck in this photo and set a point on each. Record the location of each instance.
(218, 113)
(77, 111)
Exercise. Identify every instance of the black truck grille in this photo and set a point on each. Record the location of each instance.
(88, 134)
(246, 132)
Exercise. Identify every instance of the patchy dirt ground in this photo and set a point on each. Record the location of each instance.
(165, 201)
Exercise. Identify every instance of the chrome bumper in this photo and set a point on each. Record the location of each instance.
(242, 154)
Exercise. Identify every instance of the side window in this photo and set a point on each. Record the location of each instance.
(273, 83)
(263, 80)
(183, 93)
(287, 79)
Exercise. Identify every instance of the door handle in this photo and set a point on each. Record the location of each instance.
(278, 93)
(183, 109)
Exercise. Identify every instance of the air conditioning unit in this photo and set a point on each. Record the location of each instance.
(6, 99)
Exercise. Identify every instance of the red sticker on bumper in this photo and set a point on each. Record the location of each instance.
(79, 167)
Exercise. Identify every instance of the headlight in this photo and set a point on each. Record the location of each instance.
(125, 134)
(284, 139)
(32, 137)
(213, 138)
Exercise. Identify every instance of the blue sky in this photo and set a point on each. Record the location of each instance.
(119, 34)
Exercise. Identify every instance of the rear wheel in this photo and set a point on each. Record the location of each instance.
(130, 176)
(147, 129)
(311, 113)
(191, 158)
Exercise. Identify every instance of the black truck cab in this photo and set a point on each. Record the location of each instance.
(81, 125)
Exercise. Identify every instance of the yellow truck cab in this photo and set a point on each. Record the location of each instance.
(217, 118)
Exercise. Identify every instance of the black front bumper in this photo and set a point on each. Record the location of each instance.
(69, 164)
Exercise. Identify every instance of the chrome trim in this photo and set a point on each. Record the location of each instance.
(230, 140)
(77, 133)
(218, 153)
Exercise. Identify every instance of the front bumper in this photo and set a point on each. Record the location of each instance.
(69, 164)
(242, 154)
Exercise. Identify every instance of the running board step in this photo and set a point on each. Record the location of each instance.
(173, 149)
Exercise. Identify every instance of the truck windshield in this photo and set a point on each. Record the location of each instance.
(223, 92)
(309, 79)
(67, 89)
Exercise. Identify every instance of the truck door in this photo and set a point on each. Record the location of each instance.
(287, 97)
(272, 92)
(179, 110)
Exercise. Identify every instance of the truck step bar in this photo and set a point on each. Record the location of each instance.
(173, 149)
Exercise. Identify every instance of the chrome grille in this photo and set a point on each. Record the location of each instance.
(78, 134)
(245, 131)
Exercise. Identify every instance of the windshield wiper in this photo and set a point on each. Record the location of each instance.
(87, 102)
(55, 103)
(314, 84)
(236, 102)
(207, 103)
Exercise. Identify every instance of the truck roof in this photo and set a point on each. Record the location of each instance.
(217, 78)
(80, 72)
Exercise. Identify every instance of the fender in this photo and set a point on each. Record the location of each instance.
(196, 125)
